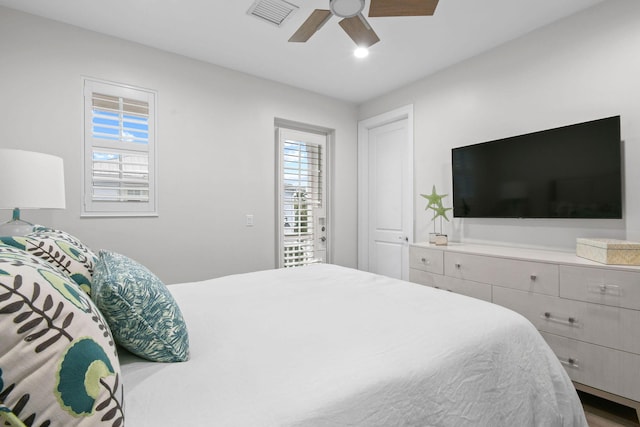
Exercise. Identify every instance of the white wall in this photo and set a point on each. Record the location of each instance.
(581, 68)
(216, 147)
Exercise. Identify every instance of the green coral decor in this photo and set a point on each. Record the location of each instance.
(439, 211)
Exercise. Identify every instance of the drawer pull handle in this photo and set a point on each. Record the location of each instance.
(457, 265)
(571, 362)
(533, 277)
(425, 261)
(571, 321)
(605, 289)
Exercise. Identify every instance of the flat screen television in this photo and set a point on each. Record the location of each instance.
(572, 171)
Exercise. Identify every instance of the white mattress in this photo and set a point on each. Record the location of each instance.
(329, 346)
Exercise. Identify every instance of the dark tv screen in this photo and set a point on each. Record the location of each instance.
(573, 171)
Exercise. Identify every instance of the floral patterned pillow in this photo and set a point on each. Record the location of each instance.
(58, 360)
(60, 249)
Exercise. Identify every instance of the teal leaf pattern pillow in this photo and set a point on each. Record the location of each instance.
(58, 360)
(141, 312)
(60, 249)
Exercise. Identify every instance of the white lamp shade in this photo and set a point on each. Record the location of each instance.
(30, 180)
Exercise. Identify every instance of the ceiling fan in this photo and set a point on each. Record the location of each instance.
(355, 24)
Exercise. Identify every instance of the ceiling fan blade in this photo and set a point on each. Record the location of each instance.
(380, 8)
(359, 30)
(314, 22)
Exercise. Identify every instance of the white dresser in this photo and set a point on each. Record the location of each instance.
(589, 313)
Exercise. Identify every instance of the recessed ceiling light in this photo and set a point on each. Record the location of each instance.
(361, 52)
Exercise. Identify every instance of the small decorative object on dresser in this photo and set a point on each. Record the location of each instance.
(441, 240)
(609, 251)
(435, 204)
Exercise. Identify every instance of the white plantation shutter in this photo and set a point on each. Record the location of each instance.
(119, 150)
(302, 198)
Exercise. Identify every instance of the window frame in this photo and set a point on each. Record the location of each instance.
(91, 208)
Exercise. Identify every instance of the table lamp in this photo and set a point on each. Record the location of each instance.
(29, 180)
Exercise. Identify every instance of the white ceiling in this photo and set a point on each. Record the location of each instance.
(221, 32)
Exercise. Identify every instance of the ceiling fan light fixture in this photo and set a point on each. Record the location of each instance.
(346, 8)
(353, 21)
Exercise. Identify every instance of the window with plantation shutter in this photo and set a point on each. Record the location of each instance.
(302, 198)
(119, 150)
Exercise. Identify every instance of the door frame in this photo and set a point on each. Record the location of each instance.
(364, 126)
(329, 135)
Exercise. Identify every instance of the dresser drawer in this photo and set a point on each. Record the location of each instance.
(614, 371)
(426, 259)
(597, 324)
(464, 287)
(524, 275)
(602, 286)
(424, 277)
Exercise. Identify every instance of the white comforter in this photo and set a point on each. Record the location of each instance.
(330, 346)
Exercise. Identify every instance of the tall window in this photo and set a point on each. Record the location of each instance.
(302, 198)
(119, 150)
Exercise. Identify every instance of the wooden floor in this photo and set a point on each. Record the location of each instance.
(603, 413)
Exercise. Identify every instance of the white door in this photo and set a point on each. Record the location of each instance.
(386, 193)
(302, 198)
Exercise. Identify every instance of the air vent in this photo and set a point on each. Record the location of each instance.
(272, 11)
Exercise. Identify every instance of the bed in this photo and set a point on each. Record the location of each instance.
(325, 345)
(317, 346)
